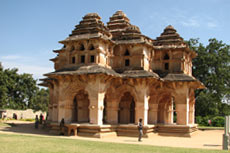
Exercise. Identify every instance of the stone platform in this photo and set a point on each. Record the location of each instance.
(102, 131)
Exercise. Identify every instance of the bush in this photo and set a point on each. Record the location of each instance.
(218, 121)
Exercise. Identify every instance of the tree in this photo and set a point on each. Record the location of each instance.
(19, 91)
(212, 67)
(41, 100)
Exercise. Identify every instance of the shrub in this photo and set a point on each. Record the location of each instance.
(218, 121)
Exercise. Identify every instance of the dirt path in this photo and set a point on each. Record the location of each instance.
(208, 139)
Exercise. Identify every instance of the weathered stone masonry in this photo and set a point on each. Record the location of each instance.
(108, 77)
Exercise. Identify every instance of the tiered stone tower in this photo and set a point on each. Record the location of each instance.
(108, 77)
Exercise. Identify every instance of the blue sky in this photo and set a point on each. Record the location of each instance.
(31, 29)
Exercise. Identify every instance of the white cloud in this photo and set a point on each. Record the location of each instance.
(36, 70)
(211, 25)
(26, 64)
(191, 22)
(11, 57)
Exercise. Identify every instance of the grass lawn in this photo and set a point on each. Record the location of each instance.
(210, 128)
(35, 144)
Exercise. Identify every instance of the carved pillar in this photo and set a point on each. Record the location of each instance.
(55, 103)
(96, 107)
(191, 113)
(182, 109)
(170, 114)
(50, 106)
(112, 111)
(142, 105)
(68, 110)
(153, 111)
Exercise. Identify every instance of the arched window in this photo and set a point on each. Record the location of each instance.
(166, 57)
(82, 47)
(91, 47)
(127, 52)
(166, 66)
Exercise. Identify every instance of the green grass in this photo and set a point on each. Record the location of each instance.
(36, 144)
(210, 128)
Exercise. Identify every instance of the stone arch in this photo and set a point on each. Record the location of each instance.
(127, 52)
(104, 119)
(91, 47)
(80, 109)
(166, 56)
(164, 114)
(126, 112)
(126, 88)
(166, 64)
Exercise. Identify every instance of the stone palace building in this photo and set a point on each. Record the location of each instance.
(108, 77)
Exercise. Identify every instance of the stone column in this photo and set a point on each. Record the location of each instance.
(112, 111)
(96, 107)
(55, 113)
(169, 114)
(68, 110)
(191, 113)
(61, 111)
(182, 109)
(153, 111)
(142, 109)
(192, 107)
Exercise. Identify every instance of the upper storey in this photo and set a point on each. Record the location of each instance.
(132, 50)
(121, 46)
(172, 54)
(89, 43)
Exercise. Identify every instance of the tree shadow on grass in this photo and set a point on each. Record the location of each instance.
(25, 128)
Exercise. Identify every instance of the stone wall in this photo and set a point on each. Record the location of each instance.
(23, 114)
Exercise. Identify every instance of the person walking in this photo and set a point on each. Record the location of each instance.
(140, 129)
(36, 122)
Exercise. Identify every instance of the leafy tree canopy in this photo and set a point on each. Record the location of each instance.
(19, 91)
(212, 67)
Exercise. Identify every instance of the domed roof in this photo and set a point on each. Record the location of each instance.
(91, 24)
(118, 24)
(92, 15)
(169, 37)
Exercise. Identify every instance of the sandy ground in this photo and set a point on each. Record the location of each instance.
(208, 139)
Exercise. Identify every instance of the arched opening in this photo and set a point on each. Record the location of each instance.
(127, 52)
(75, 110)
(105, 112)
(126, 112)
(91, 47)
(81, 108)
(81, 47)
(165, 110)
(166, 57)
(174, 112)
(166, 65)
